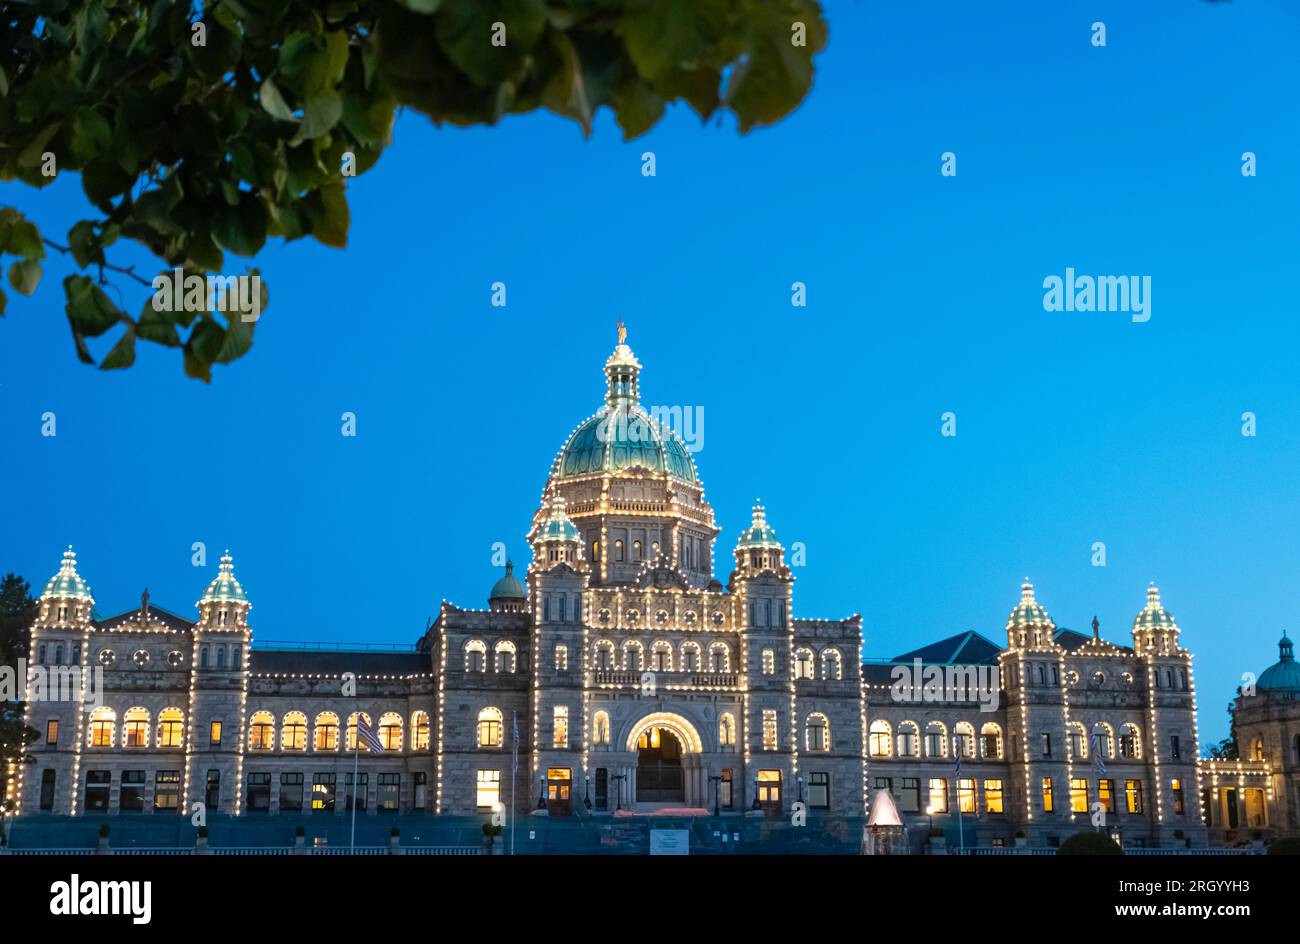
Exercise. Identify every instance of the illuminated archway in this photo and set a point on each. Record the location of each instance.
(682, 729)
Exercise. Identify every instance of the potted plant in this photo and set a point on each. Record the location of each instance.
(201, 843)
(1021, 839)
(394, 841)
(300, 840)
(491, 832)
(103, 839)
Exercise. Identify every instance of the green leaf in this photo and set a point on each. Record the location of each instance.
(89, 310)
(156, 326)
(25, 275)
(202, 348)
(327, 214)
(91, 134)
(660, 34)
(321, 114)
(241, 228)
(421, 6)
(30, 156)
(273, 102)
(123, 353)
(25, 240)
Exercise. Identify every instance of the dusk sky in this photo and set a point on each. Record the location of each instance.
(925, 296)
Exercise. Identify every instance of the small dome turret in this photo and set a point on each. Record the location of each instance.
(1028, 612)
(1154, 615)
(224, 587)
(67, 583)
(1283, 675)
(759, 533)
(508, 593)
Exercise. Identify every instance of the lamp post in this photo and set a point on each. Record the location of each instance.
(800, 780)
(586, 800)
(541, 792)
(618, 796)
(756, 805)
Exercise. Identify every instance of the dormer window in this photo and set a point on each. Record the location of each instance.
(221, 618)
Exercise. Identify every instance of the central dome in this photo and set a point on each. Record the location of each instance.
(623, 435)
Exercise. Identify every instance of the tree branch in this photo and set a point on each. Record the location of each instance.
(129, 271)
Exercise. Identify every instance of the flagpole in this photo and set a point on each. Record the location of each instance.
(514, 777)
(356, 754)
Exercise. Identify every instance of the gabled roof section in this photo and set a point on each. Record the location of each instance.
(968, 648)
(136, 616)
(1070, 641)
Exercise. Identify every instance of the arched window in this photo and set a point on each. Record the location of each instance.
(832, 664)
(390, 731)
(991, 736)
(618, 550)
(1078, 744)
(661, 656)
(489, 728)
(135, 728)
(719, 657)
(561, 657)
(727, 730)
(1257, 749)
(769, 662)
(103, 723)
(58, 654)
(350, 739)
(909, 744)
(690, 657)
(1103, 736)
(604, 655)
(293, 731)
(880, 739)
(633, 656)
(505, 651)
(803, 664)
(963, 739)
(221, 657)
(261, 731)
(936, 739)
(817, 732)
(325, 735)
(1130, 741)
(475, 656)
(420, 731)
(40, 654)
(171, 728)
(636, 550)
(600, 728)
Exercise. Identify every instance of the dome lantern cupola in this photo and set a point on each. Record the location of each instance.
(556, 539)
(1154, 627)
(1029, 623)
(1283, 675)
(66, 596)
(224, 605)
(757, 548)
(508, 594)
(622, 371)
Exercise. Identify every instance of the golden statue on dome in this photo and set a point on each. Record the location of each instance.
(622, 333)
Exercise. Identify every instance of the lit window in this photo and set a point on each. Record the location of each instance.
(769, 729)
(489, 727)
(560, 728)
(326, 732)
(769, 787)
(103, 721)
(171, 728)
(1133, 795)
(769, 662)
(420, 731)
(390, 731)
(1048, 802)
(726, 730)
(880, 741)
(214, 734)
(600, 728)
(489, 789)
(135, 728)
(938, 796)
(966, 795)
(1078, 795)
(993, 796)
(293, 732)
(1106, 794)
(1176, 786)
(52, 732)
(261, 732)
(561, 658)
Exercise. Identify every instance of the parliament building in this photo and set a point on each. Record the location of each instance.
(622, 676)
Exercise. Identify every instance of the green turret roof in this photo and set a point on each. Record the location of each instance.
(67, 583)
(508, 587)
(1154, 615)
(1028, 611)
(1283, 675)
(759, 533)
(224, 587)
(557, 526)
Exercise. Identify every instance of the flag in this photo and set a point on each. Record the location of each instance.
(959, 761)
(367, 737)
(1097, 760)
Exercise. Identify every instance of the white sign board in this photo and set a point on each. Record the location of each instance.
(670, 842)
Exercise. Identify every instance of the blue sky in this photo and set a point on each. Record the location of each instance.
(925, 296)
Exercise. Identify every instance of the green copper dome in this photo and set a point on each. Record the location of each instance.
(1028, 611)
(67, 583)
(1154, 615)
(623, 435)
(224, 587)
(557, 526)
(1283, 675)
(508, 587)
(759, 533)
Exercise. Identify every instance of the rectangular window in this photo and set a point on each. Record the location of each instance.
(1177, 787)
(885, 783)
(290, 793)
(47, 790)
(938, 796)
(911, 796)
(167, 790)
(136, 732)
(1047, 744)
(993, 796)
(489, 789)
(769, 730)
(132, 796)
(259, 793)
(390, 792)
(602, 788)
(1078, 795)
(558, 783)
(725, 793)
(212, 791)
(98, 783)
(1133, 795)
(324, 789)
(769, 787)
(966, 795)
(101, 734)
(214, 734)
(819, 790)
(52, 732)
(1174, 747)
(169, 733)
(560, 732)
(1106, 794)
(1049, 805)
(357, 795)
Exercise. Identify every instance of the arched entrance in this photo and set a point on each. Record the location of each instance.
(662, 742)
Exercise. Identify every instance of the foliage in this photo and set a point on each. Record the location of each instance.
(201, 130)
(1089, 843)
(17, 611)
(1224, 750)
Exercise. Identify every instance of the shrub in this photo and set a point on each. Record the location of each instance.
(489, 830)
(299, 831)
(1020, 834)
(203, 832)
(1089, 844)
(1288, 846)
(394, 832)
(103, 831)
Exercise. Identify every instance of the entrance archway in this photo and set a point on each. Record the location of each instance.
(662, 742)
